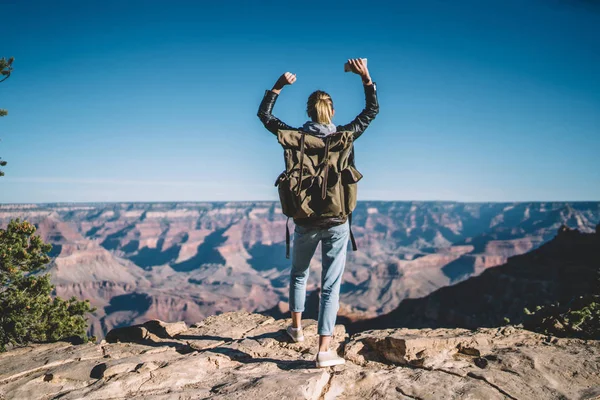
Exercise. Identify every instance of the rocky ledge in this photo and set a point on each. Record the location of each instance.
(240, 355)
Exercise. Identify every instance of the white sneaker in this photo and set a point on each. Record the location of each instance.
(328, 358)
(296, 335)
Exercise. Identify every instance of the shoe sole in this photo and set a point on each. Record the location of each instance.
(300, 339)
(330, 363)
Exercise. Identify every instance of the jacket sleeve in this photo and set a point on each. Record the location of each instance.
(265, 109)
(362, 121)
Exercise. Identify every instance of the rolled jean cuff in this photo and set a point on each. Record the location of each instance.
(325, 334)
(297, 310)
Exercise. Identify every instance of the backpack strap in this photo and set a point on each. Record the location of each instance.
(354, 248)
(302, 145)
(326, 168)
(287, 239)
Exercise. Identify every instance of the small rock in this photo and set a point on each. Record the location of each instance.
(550, 339)
(48, 377)
(470, 351)
(165, 330)
(419, 362)
(132, 334)
(508, 330)
(98, 371)
(146, 367)
(481, 362)
(127, 334)
(119, 369)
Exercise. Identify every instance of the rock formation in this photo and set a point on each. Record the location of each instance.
(186, 261)
(240, 355)
(558, 271)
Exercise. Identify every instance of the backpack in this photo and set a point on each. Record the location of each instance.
(319, 178)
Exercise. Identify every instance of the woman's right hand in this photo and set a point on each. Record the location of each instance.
(358, 66)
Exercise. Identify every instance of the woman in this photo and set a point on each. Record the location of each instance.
(333, 232)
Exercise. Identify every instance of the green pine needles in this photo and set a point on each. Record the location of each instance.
(28, 312)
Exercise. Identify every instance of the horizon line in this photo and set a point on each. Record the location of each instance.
(277, 201)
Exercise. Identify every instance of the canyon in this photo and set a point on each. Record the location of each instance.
(186, 261)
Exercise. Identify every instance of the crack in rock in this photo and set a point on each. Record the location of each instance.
(510, 371)
(498, 388)
(469, 375)
(143, 383)
(193, 346)
(326, 386)
(403, 393)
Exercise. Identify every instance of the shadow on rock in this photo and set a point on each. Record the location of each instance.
(240, 356)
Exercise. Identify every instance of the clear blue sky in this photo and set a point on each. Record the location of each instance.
(157, 101)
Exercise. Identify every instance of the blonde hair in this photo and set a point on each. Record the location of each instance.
(320, 107)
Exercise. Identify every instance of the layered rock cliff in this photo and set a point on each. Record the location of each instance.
(186, 261)
(562, 269)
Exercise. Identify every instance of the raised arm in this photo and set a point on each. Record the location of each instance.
(362, 121)
(265, 109)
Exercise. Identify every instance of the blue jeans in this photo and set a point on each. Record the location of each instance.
(334, 245)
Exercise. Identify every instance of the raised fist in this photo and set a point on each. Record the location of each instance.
(286, 79)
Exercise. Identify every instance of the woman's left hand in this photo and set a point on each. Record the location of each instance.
(286, 79)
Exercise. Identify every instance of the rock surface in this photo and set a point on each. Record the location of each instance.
(240, 355)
